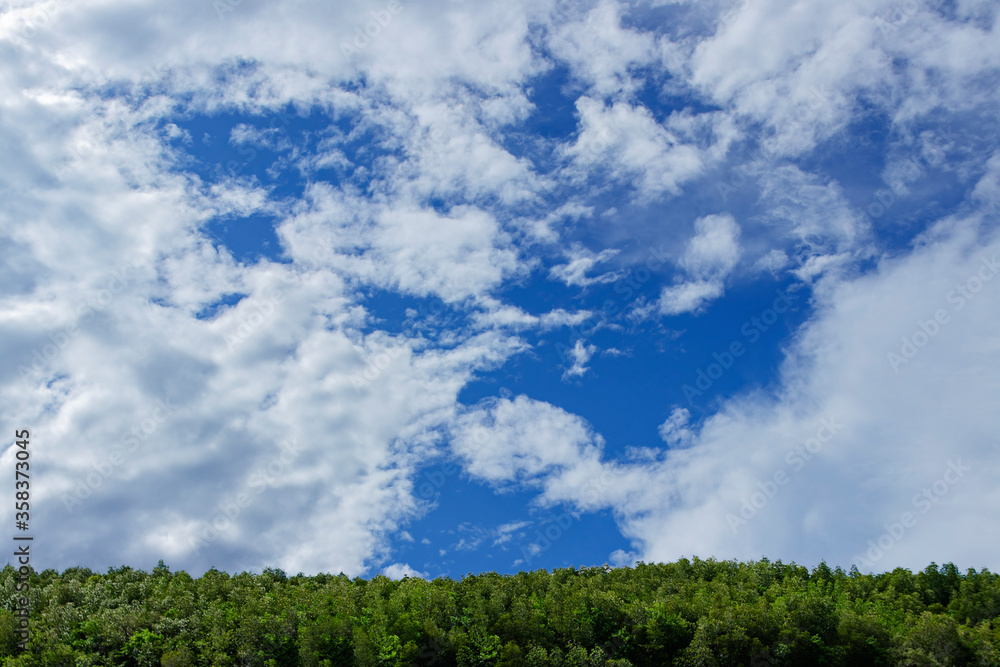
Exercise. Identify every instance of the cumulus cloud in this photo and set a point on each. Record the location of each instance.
(881, 396)
(710, 256)
(397, 571)
(148, 354)
(626, 143)
(675, 430)
(600, 51)
(580, 354)
(521, 440)
(496, 314)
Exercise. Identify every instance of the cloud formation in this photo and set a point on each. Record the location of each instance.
(265, 263)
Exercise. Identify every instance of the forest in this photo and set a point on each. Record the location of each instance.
(688, 613)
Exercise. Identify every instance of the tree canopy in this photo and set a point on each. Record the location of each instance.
(691, 613)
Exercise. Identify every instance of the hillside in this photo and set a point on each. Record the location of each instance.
(691, 613)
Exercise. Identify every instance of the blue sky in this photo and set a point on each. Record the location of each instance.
(451, 287)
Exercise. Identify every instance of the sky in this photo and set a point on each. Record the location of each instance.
(430, 288)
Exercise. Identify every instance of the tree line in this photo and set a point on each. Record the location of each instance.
(691, 613)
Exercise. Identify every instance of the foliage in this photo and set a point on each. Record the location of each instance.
(696, 613)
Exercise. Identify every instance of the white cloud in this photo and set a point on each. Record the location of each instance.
(496, 314)
(505, 440)
(802, 72)
(242, 377)
(627, 142)
(709, 258)
(574, 272)
(397, 571)
(298, 349)
(815, 214)
(506, 531)
(675, 431)
(98, 180)
(852, 438)
(600, 51)
(454, 156)
(414, 250)
(455, 256)
(772, 262)
(715, 249)
(581, 354)
(622, 558)
(269, 138)
(987, 190)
